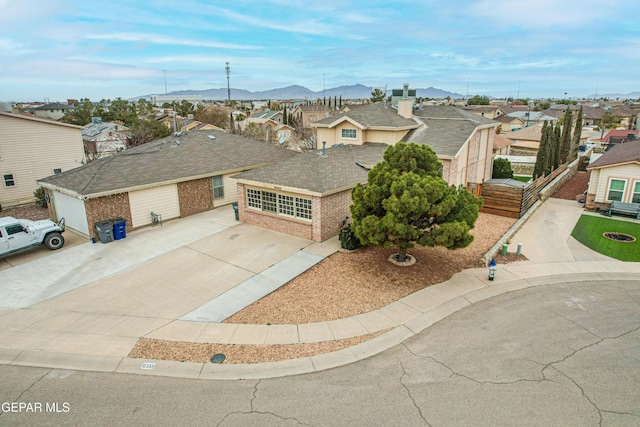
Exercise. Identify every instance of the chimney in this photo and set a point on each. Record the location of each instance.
(405, 105)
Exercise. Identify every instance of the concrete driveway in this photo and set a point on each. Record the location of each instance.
(98, 299)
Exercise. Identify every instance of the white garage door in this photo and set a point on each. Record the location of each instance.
(160, 200)
(72, 210)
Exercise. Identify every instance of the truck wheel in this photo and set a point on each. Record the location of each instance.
(54, 241)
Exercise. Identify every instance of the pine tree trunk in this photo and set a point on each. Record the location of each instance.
(402, 255)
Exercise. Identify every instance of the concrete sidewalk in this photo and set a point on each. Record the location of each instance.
(99, 333)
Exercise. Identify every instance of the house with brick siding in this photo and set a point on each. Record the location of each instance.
(176, 176)
(309, 195)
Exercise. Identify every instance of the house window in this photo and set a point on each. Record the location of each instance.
(303, 208)
(349, 133)
(616, 190)
(636, 193)
(269, 202)
(253, 198)
(8, 180)
(280, 204)
(57, 171)
(285, 205)
(218, 188)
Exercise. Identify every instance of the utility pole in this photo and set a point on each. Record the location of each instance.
(165, 81)
(228, 70)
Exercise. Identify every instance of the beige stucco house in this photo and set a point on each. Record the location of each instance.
(309, 195)
(615, 176)
(307, 114)
(33, 148)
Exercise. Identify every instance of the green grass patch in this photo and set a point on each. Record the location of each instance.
(522, 178)
(589, 230)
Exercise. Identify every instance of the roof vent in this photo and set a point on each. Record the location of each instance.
(211, 137)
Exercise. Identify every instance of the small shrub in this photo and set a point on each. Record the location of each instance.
(40, 197)
(348, 239)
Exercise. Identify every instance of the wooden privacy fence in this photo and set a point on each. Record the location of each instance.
(514, 202)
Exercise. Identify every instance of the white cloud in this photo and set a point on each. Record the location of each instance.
(157, 39)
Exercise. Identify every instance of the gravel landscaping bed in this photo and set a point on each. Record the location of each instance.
(346, 284)
(29, 211)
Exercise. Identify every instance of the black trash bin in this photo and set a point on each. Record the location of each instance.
(235, 210)
(105, 231)
(119, 228)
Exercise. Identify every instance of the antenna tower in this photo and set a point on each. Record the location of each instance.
(228, 70)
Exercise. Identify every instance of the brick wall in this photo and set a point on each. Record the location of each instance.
(333, 210)
(195, 196)
(107, 207)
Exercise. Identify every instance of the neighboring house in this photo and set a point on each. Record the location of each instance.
(32, 148)
(509, 123)
(276, 116)
(501, 144)
(192, 124)
(53, 111)
(615, 176)
(174, 177)
(307, 114)
(525, 141)
(530, 118)
(618, 136)
(590, 115)
(104, 138)
(309, 195)
(488, 111)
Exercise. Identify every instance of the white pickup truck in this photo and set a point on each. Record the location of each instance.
(18, 234)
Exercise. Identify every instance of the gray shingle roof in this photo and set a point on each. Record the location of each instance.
(447, 128)
(340, 169)
(165, 160)
(627, 152)
(371, 116)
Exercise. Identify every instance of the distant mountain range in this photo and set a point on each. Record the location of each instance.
(357, 91)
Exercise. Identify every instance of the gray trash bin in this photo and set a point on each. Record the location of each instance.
(235, 210)
(105, 231)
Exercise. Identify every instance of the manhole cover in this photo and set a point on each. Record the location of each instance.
(218, 358)
(619, 237)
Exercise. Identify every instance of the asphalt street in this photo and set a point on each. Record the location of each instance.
(564, 354)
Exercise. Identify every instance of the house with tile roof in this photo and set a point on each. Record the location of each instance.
(176, 176)
(33, 148)
(309, 195)
(615, 176)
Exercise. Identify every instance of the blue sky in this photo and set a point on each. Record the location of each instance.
(98, 49)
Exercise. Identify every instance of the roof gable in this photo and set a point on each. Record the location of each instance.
(371, 116)
(628, 152)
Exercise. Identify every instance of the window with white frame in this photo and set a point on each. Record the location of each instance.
(285, 205)
(254, 199)
(636, 192)
(349, 133)
(280, 204)
(616, 190)
(8, 180)
(218, 187)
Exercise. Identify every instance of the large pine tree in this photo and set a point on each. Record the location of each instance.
(407, 202)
